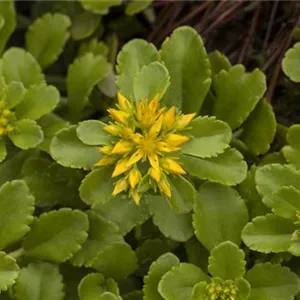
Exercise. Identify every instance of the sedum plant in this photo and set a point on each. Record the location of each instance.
(139, 173)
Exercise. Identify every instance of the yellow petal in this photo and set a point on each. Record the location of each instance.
(184, 120)
(105, 161)
(164, 147)
(153, 159)
(169, 118)
(155, 128)
(153, 104)
(127, 133)
(122, 147)
(3, 121)
(121, 167)
(124, 104)
(6, 112)
(174, 139)
(164, 186)
(134, 177)
(118, 115)
(120, 186)
(2, 131)
(155, 174)
(171, 166)
(113, 129)
(136, 197)
(137, 138)
(105, 149)
(140, 111)
(135, 157)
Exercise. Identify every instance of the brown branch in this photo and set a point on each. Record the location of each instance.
(277, 70)
(222, 16)
(250, 36)
(270, 25)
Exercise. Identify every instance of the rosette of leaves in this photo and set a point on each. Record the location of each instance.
(19, 110)
(277, 232)
(237, 97)
(53, 237)
(169, 279)
(143, 73)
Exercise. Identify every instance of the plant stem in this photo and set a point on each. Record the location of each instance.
(17, 253)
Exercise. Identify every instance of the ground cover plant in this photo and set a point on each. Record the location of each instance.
(140, 171)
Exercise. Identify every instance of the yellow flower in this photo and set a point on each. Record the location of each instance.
(145, 134)
(7, 119)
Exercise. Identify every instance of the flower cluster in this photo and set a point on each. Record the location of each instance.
(7, 119)
(226, 290)
(147, 141)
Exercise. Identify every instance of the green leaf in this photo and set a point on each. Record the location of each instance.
(9, 271)
(84, 24)
(185, 57)
(259, 128)
(94, 46)
(244, 289)
(178, 227)
(40, 281)
(132, 57)
(291, 151)
(38, 101)
(124, 212)
(68, 150)
(151, 80)
(102, 234)
(3, 151)
(57, 235)
(91, 132)
(183, 194)
(199, 291)
(209, 137)
(247, 190)
(270, 178)
(219, 215)
(237, 93)
(157, 269)
(10, 169)
(117, 261)
(14, 93)
(26, 134)
(50, 183)
(291, 63)
(83, 74)
(97, 187)
(218, 62)
(8, 16)
(94, 285)
(269, 233)
(47, 36)
(51, 124)
(227, 168)
(196, 253)
(269, 282)
(99, 7)
(16, 209)
(108, 85)
(285, 203)
(19, 65)
(227, 261)
(136, 6)
(178, 283)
